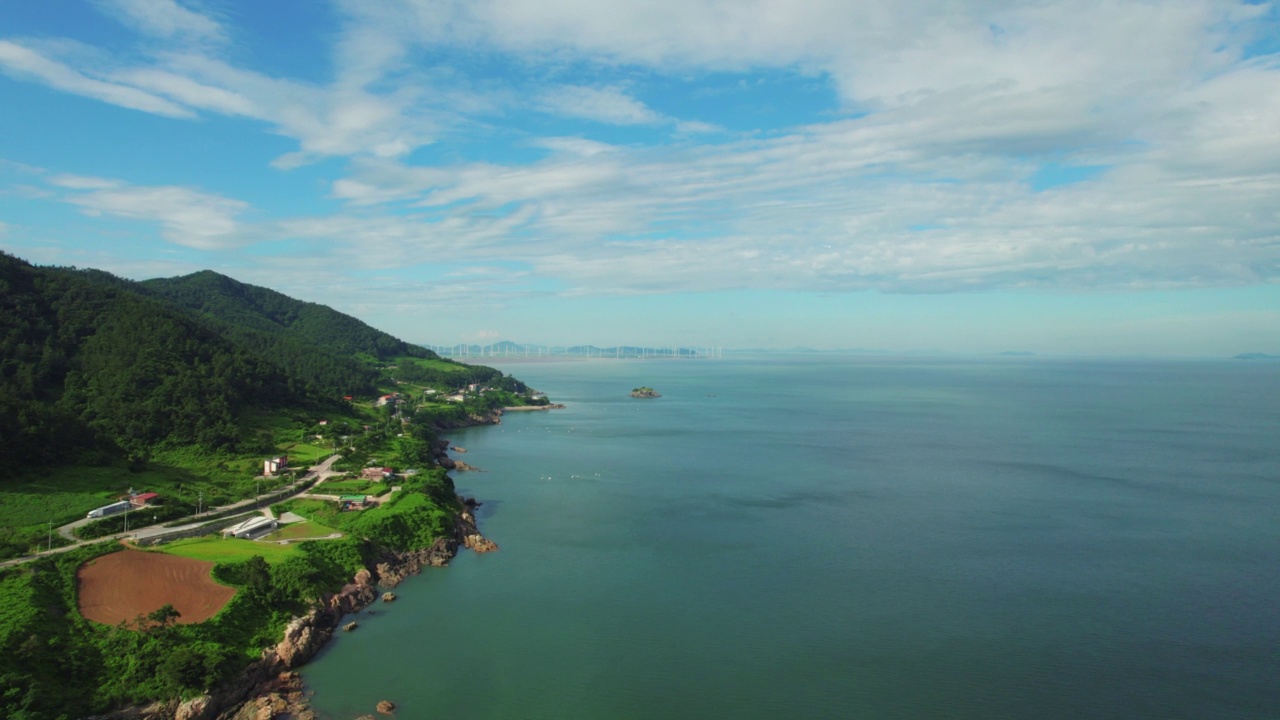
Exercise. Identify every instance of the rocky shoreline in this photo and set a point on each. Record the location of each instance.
(270, 688)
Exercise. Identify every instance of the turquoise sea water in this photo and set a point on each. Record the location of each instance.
(844, 537)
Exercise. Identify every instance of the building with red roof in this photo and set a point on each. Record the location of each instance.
(143, 499)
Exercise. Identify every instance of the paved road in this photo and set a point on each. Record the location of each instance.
(324, 471)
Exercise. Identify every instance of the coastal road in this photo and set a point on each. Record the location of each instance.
(323, 472)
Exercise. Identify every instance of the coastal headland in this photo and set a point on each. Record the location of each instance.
(270, 687)
(310, 437)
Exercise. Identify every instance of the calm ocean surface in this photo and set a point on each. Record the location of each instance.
(848, 537)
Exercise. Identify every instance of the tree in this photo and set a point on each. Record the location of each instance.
(158, 620)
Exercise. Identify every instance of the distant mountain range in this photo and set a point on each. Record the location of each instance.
(1255, 356)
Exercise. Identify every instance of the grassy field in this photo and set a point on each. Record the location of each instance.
(31, 505)
(220, 549)
(66, 493)
(438, 365)
(302, 455)
(310, 508)
(31, 498)
(301, 531)
(352, 487)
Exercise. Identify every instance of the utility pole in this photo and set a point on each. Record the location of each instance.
(199, 503)
(50, 535)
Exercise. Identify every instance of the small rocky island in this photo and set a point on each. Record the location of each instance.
(644, 392)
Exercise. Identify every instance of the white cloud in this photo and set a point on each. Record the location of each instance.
(164, 19)
(922, 185)
(885, 201)
(23, 62)
(326, 121)
(83, 182)
(190, 92)
(186, 217)
(574, 145)
(695, 127)
(606, 105)
(1040, 77)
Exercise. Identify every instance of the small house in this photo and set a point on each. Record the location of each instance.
(274, 465)
(143, 499)
(352, 502)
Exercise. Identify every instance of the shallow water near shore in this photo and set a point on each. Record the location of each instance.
(843, 536)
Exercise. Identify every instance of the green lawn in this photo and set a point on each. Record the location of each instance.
(31, 498)
(433, 364)
(303, 455)
(301, 531)
(219, 549)
(352, 487)
(66, 493)
(33, 505)
(433, 405)
(310, 508)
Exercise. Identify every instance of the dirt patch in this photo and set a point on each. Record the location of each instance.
(118, 587)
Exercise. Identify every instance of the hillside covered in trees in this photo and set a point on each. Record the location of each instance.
(180, 388)
(91, 363)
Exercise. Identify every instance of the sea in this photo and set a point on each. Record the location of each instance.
(846, 536)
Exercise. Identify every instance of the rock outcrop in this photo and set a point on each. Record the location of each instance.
(395, 567)
(480, 544)
(470, 534)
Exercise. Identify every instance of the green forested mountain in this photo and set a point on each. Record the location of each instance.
(318, 344)
(256, 308)
(180, 387)
(92, 362)
(87, 365)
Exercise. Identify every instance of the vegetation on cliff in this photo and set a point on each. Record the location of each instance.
(54, 663)
(182, 386)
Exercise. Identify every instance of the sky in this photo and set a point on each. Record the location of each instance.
(1093, 177)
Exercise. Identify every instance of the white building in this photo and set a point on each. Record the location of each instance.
(250, 528)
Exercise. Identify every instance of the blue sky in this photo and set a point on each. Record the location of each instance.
(1092, 177)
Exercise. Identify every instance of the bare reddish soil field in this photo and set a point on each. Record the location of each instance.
(118, 587)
